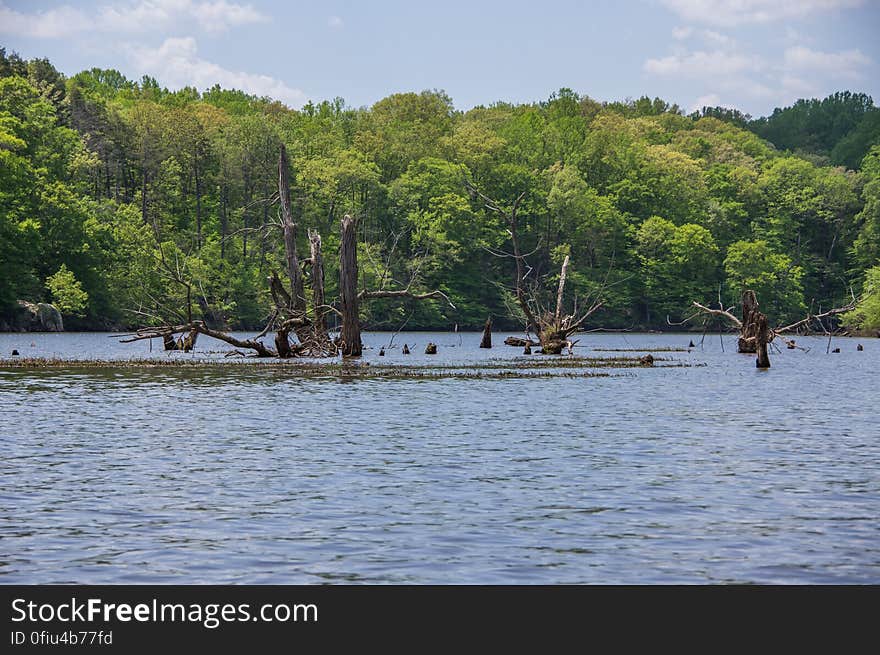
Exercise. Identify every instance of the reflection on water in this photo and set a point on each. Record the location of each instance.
(707, 474)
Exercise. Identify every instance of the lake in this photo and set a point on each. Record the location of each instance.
(706, 472)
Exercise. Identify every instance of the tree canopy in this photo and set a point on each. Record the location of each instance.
(119, 197)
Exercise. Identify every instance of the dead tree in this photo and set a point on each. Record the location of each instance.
(297, 298)
(350, 335)
(754, 331)
(350, 298)
(486, 341)
(553, 327)
(747, 342)
(762, 338)
(290, 312)
(319, 323)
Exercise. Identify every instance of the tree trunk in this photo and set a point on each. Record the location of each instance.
(747, 341)
(294, 272)
(559, 293)
(762, 336)
(552, 341)
(320, 305)
(487, 334)
(168, 341)
(198, 206)
(224, 220)
(282, 342)
(350, 335)
(188, 342)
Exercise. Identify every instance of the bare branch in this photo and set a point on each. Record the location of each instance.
(405, 293)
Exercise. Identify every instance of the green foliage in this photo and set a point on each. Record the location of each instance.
(678, 264)
(776, 281)
(130, 204)
(866, 315)
(67, 293)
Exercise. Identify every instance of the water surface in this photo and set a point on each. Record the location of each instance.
(715, 473)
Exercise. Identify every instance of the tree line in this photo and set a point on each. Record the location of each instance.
(127, 204)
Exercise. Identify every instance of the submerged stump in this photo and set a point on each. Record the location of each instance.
(486, 341)
(762, 338)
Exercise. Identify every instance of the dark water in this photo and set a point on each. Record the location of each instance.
(717, 473)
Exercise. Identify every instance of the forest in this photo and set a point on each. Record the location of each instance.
(127, 205)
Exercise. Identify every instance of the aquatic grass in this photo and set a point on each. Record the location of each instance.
(581, 367)
(658, 349)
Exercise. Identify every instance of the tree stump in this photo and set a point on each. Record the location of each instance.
(486, 342)
(762, 338)
(747, 340)
(187, 343)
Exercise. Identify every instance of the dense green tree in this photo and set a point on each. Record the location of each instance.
(158, 204)
(866, 315)
(777, 282)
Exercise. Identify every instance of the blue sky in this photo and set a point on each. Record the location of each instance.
(751, 54)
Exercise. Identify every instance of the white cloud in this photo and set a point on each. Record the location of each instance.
(710, 37)
(738, 12)
(48, 24)
(708, 100)
(702, 64)
(335, 22)
(716, 37)
(796, 86)
(845, 64)
(176, 64)
(681, 33)
(133, 17)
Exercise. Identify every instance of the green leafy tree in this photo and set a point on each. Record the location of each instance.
(67, 293)
(866, 315)
(773, 277)
(678, 265)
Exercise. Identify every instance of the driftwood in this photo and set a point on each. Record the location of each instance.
(199, 327)
(519, 342)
